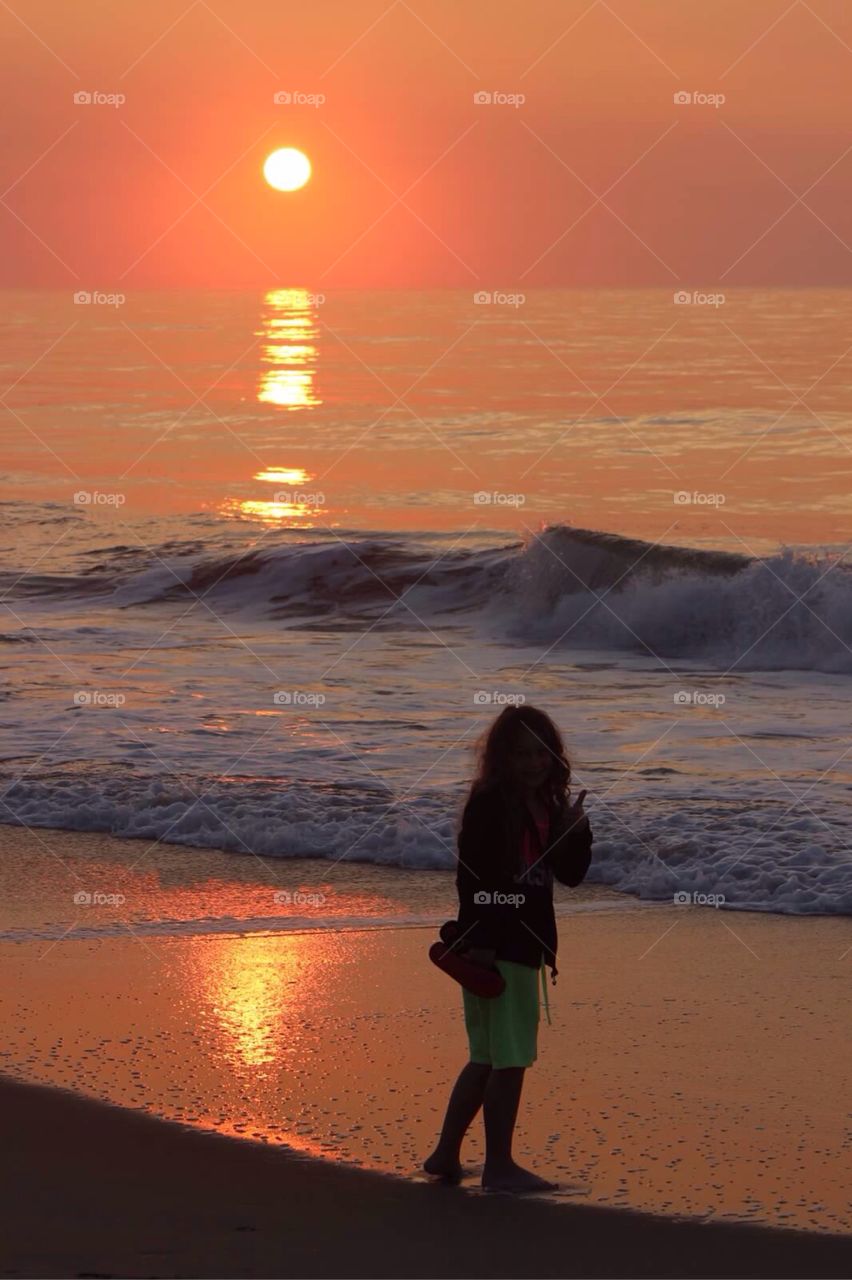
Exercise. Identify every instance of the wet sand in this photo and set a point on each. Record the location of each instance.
(91, 1190)
(698, 1063)
(697, 1070)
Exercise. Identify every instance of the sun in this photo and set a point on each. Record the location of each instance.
(287, 169)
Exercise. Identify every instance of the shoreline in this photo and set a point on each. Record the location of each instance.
(695, 1070)
(93, 1189)
(113, 856)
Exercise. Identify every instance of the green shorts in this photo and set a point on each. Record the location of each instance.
(503, 1030)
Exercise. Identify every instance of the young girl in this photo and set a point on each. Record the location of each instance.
(518, 831)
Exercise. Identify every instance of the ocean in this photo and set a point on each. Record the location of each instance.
(271, 563)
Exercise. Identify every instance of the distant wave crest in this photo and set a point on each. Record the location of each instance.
(563, 587)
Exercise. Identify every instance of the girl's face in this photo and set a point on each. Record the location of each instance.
(531, 760)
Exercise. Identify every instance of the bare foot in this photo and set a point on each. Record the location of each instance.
(441, 1166)
(514, 1178)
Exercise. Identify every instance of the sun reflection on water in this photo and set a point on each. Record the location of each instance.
(289, 328)
(274, 512)
(247, 985)
(286, 380)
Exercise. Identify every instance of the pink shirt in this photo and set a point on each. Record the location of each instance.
(530, 853)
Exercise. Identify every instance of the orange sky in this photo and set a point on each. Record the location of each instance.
(97, 192)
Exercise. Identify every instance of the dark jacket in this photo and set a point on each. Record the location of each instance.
(502, 905)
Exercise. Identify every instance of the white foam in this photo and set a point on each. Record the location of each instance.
(580, 588)
(684, 799)
(758, 861)
(791, 611)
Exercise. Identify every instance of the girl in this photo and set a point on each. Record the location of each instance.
(518, 831)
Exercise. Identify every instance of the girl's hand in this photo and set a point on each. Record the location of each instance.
(577, 807)
(575, 812)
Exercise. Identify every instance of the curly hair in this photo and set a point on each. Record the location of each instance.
(495, 748)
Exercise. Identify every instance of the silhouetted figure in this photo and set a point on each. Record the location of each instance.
(518, 831)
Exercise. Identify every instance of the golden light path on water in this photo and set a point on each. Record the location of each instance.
(289, 330)
(283, 475)
(288, 327)
(273, 512)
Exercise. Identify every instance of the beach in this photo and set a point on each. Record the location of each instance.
(425, 492)
(90, 1190)
(241, 709)
(694, 1078)
(288, 651)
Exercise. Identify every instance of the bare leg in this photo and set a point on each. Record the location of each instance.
(502, 1097)
(465, 1100)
